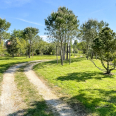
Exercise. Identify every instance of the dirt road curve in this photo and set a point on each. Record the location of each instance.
(10, 100)
(62, 108)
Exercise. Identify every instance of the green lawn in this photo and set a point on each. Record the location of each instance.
(6, 62)
(82, 85)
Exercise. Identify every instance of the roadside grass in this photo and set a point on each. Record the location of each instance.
(82, 85)
(6, 62)
(36, 106)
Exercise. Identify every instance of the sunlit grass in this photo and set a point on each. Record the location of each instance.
(81, 82)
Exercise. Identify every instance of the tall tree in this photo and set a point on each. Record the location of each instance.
(90, 31)
(60, 25)
(29, 34)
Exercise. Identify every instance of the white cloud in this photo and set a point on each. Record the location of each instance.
(29, 21)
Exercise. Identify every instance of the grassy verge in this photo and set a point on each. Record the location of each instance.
(6, 62)
(82, 85)
(36, 106)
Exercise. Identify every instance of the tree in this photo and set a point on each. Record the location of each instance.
(12, 46)
(29, 35)
(105, 47)
(60, 26)
(4, 26)
(21, 43)
(90, 31)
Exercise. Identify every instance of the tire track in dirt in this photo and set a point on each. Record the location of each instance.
(10, 100)
(52, 100)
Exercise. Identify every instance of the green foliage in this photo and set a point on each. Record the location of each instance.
(29, 34)
(105, 47)
(82, 47)
(4, 25)
(90, 30)
(12, 46)
(62, 26)
(2, 48)
(17, 44)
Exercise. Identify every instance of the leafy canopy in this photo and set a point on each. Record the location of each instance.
(105, 47)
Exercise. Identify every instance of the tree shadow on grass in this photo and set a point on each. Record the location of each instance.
(38, 108)
(95, 103)
(83, 76)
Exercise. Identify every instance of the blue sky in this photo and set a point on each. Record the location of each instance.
(31, 13)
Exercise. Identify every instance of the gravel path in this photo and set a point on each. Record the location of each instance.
(57, 105)
(10, 101)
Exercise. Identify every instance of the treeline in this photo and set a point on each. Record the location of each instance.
(23, 42)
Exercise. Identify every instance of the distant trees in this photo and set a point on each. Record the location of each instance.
(29, 34)
(16, 42)
(12, 47)
(82, 47)
(75, 46)
(90, 30)
(62, 26)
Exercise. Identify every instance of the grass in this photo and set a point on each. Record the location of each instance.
(36, 106)
(6, 62)
(82, 85)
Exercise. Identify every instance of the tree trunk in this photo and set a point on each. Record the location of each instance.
(27, 48)
(64, 52)
(96, 56)
(61, 54)
(13, 55)
(108, 70)
(67, 52)
(57, 54)
(26, 54)
(30, 50)
(20, 52)
(87, 52)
